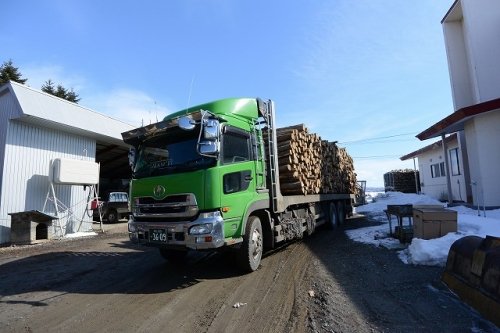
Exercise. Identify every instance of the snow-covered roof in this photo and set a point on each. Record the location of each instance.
(46, 110)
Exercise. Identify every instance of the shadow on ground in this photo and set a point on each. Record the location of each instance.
(129, 269)
(390, 295)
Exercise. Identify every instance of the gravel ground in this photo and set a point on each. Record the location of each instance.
(378, 293)
(325, 283)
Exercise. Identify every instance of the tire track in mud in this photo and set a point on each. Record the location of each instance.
(270, 294)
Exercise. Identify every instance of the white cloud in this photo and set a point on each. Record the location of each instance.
(38, 75)
(131, 106)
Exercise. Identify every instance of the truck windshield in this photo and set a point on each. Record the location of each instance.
(169, 153)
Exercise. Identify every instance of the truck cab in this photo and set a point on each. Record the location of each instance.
(196, 176)
(207, 177)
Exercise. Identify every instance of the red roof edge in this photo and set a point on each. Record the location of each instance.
(458, 116)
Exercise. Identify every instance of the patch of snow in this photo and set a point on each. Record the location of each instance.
(420, 251)
(80, 234)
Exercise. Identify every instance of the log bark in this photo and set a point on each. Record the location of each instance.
(310, 165)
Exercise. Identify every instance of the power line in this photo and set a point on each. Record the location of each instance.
(378, 138)
(377, 142)
(376, 157)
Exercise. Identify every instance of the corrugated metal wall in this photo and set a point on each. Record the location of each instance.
(8, 109)
(28, 151)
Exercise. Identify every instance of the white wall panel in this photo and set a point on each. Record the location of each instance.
(482, 20)
(472, 34)
(28, 151)
(487, 132)
(9, 108)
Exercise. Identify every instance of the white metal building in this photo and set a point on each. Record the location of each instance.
(36, 128)
(472, 34)
(433, 171)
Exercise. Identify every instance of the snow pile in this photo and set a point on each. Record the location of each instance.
(381, 200)
(80, 234)
(420, 251)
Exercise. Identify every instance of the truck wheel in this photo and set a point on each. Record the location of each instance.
(341, 212)
(333, 218)
(112, 216)
(250, 252)
(311, 224)
(174, 257)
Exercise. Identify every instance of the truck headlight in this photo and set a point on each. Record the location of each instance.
(201, 229)
(207, 215)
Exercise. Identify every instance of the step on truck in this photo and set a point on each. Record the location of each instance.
(207, 178)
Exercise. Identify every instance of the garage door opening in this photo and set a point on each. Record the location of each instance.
(115, 171)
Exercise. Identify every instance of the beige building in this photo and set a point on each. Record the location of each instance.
(472, 34)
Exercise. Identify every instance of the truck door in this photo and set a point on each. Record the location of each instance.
(238, 177)
(258, 156)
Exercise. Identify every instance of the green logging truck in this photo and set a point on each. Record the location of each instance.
(207, 178)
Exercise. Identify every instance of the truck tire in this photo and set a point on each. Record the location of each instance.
(174, 257)
(311, 225)
(112, 216)
(333, 217)
(341, 212)
(250, 252)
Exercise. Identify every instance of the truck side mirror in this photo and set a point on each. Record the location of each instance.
(209, 142)
(208, 147)
(186, 123)
(211, 129)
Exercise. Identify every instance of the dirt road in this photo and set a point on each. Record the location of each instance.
(323, 284)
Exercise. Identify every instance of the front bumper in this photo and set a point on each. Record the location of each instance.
(178, 233)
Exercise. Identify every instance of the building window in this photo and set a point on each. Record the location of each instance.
(438, 170)
(454, 162)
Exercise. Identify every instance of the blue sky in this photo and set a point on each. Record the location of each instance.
(368, 74)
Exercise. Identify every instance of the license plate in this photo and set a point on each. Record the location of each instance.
(157, 236)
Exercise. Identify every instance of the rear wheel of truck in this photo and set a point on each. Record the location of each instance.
(250, 252)
(173, 256)
(333, 217)
(341, 212)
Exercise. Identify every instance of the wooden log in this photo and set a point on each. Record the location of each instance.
(300, 127)
(318, 165)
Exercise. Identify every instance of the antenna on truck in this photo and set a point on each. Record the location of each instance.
(190, 91)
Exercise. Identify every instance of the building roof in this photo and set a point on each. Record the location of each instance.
(432, 146)
(39, 108)
(455, 121)
(454, 13)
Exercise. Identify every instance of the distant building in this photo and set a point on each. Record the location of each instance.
(433, 170)
(36, 128)
(472, 34)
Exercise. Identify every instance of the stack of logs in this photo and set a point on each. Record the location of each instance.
(309, 165)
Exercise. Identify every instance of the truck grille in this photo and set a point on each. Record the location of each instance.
(176, 206)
